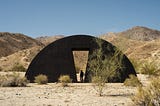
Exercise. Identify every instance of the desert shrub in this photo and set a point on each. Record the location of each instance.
(3, 78)
(41, 79)
(13, 80)
(18, 68)
(65, 79)
(103, 68)
(136, 64)
(132, 81)
(149, 96)
(99, 84)
(150, 68)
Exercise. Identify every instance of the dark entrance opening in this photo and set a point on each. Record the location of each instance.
(80, 58)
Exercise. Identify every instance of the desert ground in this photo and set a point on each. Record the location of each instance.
(77, 94)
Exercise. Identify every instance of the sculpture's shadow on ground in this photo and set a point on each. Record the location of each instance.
(118, 95)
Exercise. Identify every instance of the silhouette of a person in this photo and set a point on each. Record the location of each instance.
(81, 76)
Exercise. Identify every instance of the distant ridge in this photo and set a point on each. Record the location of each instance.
(13, 42)
(138, 43)
(141, 33)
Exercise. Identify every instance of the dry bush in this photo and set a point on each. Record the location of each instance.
(150, 68)
(18, 68)
(103, 68)
(13, 80)
(132, 81)
(41, 79)
(2, 79)
(98, 84)
(65, 79)
(149, 96)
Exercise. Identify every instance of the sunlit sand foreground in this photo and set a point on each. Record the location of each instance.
(77, 94)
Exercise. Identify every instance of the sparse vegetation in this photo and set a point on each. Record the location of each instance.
(150, 68)
(103, 67)
(149, 96)
(136, 64)
(99, 84)
(13, 80)
(132, 81)
(41, 79)
(18, 68)
(65, 79)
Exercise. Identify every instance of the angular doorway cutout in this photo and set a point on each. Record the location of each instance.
(80, 61)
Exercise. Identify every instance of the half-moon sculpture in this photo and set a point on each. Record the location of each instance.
(57, 59)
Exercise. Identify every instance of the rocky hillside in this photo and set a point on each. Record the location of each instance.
(139, 43)
(138, 33)
(13, 42)
(141, 33)
(23, 57)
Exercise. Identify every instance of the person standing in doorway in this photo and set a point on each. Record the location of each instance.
(81, 76)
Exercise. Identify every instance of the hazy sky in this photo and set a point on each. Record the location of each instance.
(68, 17)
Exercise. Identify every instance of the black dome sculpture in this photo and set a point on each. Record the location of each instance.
(57, 59)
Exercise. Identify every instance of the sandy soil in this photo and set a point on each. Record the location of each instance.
(77, 94)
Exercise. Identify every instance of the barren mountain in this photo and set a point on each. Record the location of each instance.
(136, 33)
(139, 43)
(145, 48)
(13, 42)
(23, 57)
(141, 33)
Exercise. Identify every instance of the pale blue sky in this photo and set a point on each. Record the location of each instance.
(67, 17)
